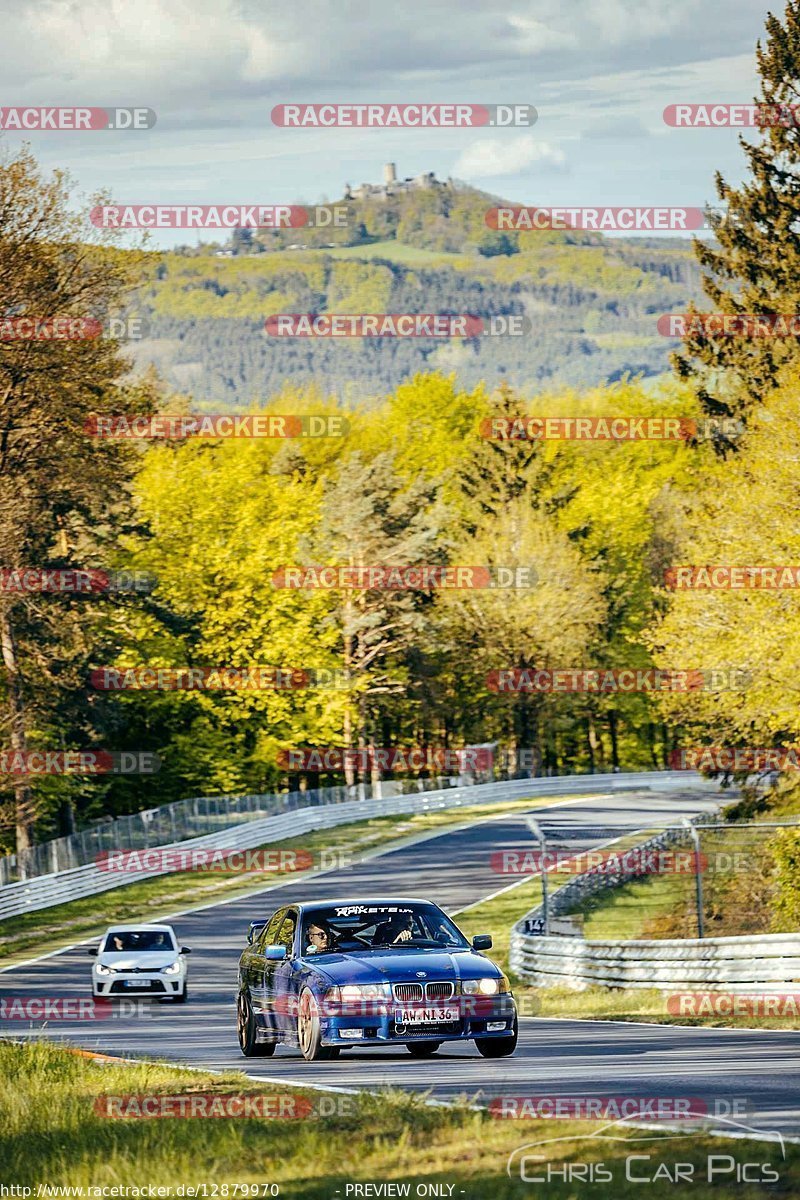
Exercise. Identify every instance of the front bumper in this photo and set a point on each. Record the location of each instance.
(478, 1017)
(138, 983)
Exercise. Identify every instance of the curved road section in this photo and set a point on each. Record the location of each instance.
(745, 1076)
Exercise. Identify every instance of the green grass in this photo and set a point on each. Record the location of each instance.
(51, 1133)
(152, 899)
(624, 913)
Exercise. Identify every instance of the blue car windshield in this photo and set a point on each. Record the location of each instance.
(354, 928)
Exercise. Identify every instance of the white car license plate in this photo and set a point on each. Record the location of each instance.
(425, 1016)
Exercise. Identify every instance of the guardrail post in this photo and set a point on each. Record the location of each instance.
(535, 829)
(698, 875)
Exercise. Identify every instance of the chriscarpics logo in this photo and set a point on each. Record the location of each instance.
(643, 1158)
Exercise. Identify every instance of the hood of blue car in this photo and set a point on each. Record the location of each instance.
(395, 966)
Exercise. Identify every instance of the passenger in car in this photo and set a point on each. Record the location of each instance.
(394, 931)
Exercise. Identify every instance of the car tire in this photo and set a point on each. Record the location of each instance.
(422, 1049)
(309, 1030)
(246, 1030)
(498, 1047)
(180, 997)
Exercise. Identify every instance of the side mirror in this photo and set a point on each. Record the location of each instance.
(185, 950)
(93, 951)
(482, 941)
(276, 953)
(254, 930)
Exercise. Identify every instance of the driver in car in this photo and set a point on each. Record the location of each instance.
(319, 939)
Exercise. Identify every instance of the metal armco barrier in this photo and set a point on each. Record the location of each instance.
(44, 891)
(762, 962)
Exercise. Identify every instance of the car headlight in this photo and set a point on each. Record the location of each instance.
(484, 987)
(173, 967)
(352, 993)
(361, 991)
(102, 970)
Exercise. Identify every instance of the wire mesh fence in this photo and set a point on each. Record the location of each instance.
(186, 819)
(704, 878)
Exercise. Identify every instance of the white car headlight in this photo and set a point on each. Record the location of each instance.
(102, 970)
(173, 967)
(486, 987)
(362, 991)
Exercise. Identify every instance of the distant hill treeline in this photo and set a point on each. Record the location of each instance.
(592, 302)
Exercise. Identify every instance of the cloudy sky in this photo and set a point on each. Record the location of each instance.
(600, 73)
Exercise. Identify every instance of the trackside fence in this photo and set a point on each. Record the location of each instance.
(302, 812)
(741, 964)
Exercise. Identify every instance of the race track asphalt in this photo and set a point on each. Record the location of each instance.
(747, 1076)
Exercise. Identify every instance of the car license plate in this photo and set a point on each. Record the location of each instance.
(136, 983)
(425, 1016)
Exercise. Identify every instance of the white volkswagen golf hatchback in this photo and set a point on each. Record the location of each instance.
(136, 960)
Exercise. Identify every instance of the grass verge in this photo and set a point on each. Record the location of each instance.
(52, 1134)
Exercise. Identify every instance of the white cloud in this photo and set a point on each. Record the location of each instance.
(213, 51)
(487, 158)
(534, 37)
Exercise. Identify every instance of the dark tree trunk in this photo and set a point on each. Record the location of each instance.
(612, 729)
(18, 739)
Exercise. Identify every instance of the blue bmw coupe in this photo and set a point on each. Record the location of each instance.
(338, 974)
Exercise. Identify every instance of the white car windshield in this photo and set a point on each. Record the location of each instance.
(119, 940)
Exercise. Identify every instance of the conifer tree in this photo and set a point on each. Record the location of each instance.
(755, 265)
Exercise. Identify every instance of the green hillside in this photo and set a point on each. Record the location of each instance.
(592, 302)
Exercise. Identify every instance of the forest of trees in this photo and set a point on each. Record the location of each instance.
(411, 481)
(593, 306)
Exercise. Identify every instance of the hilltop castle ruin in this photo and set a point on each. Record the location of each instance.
(392, 186)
